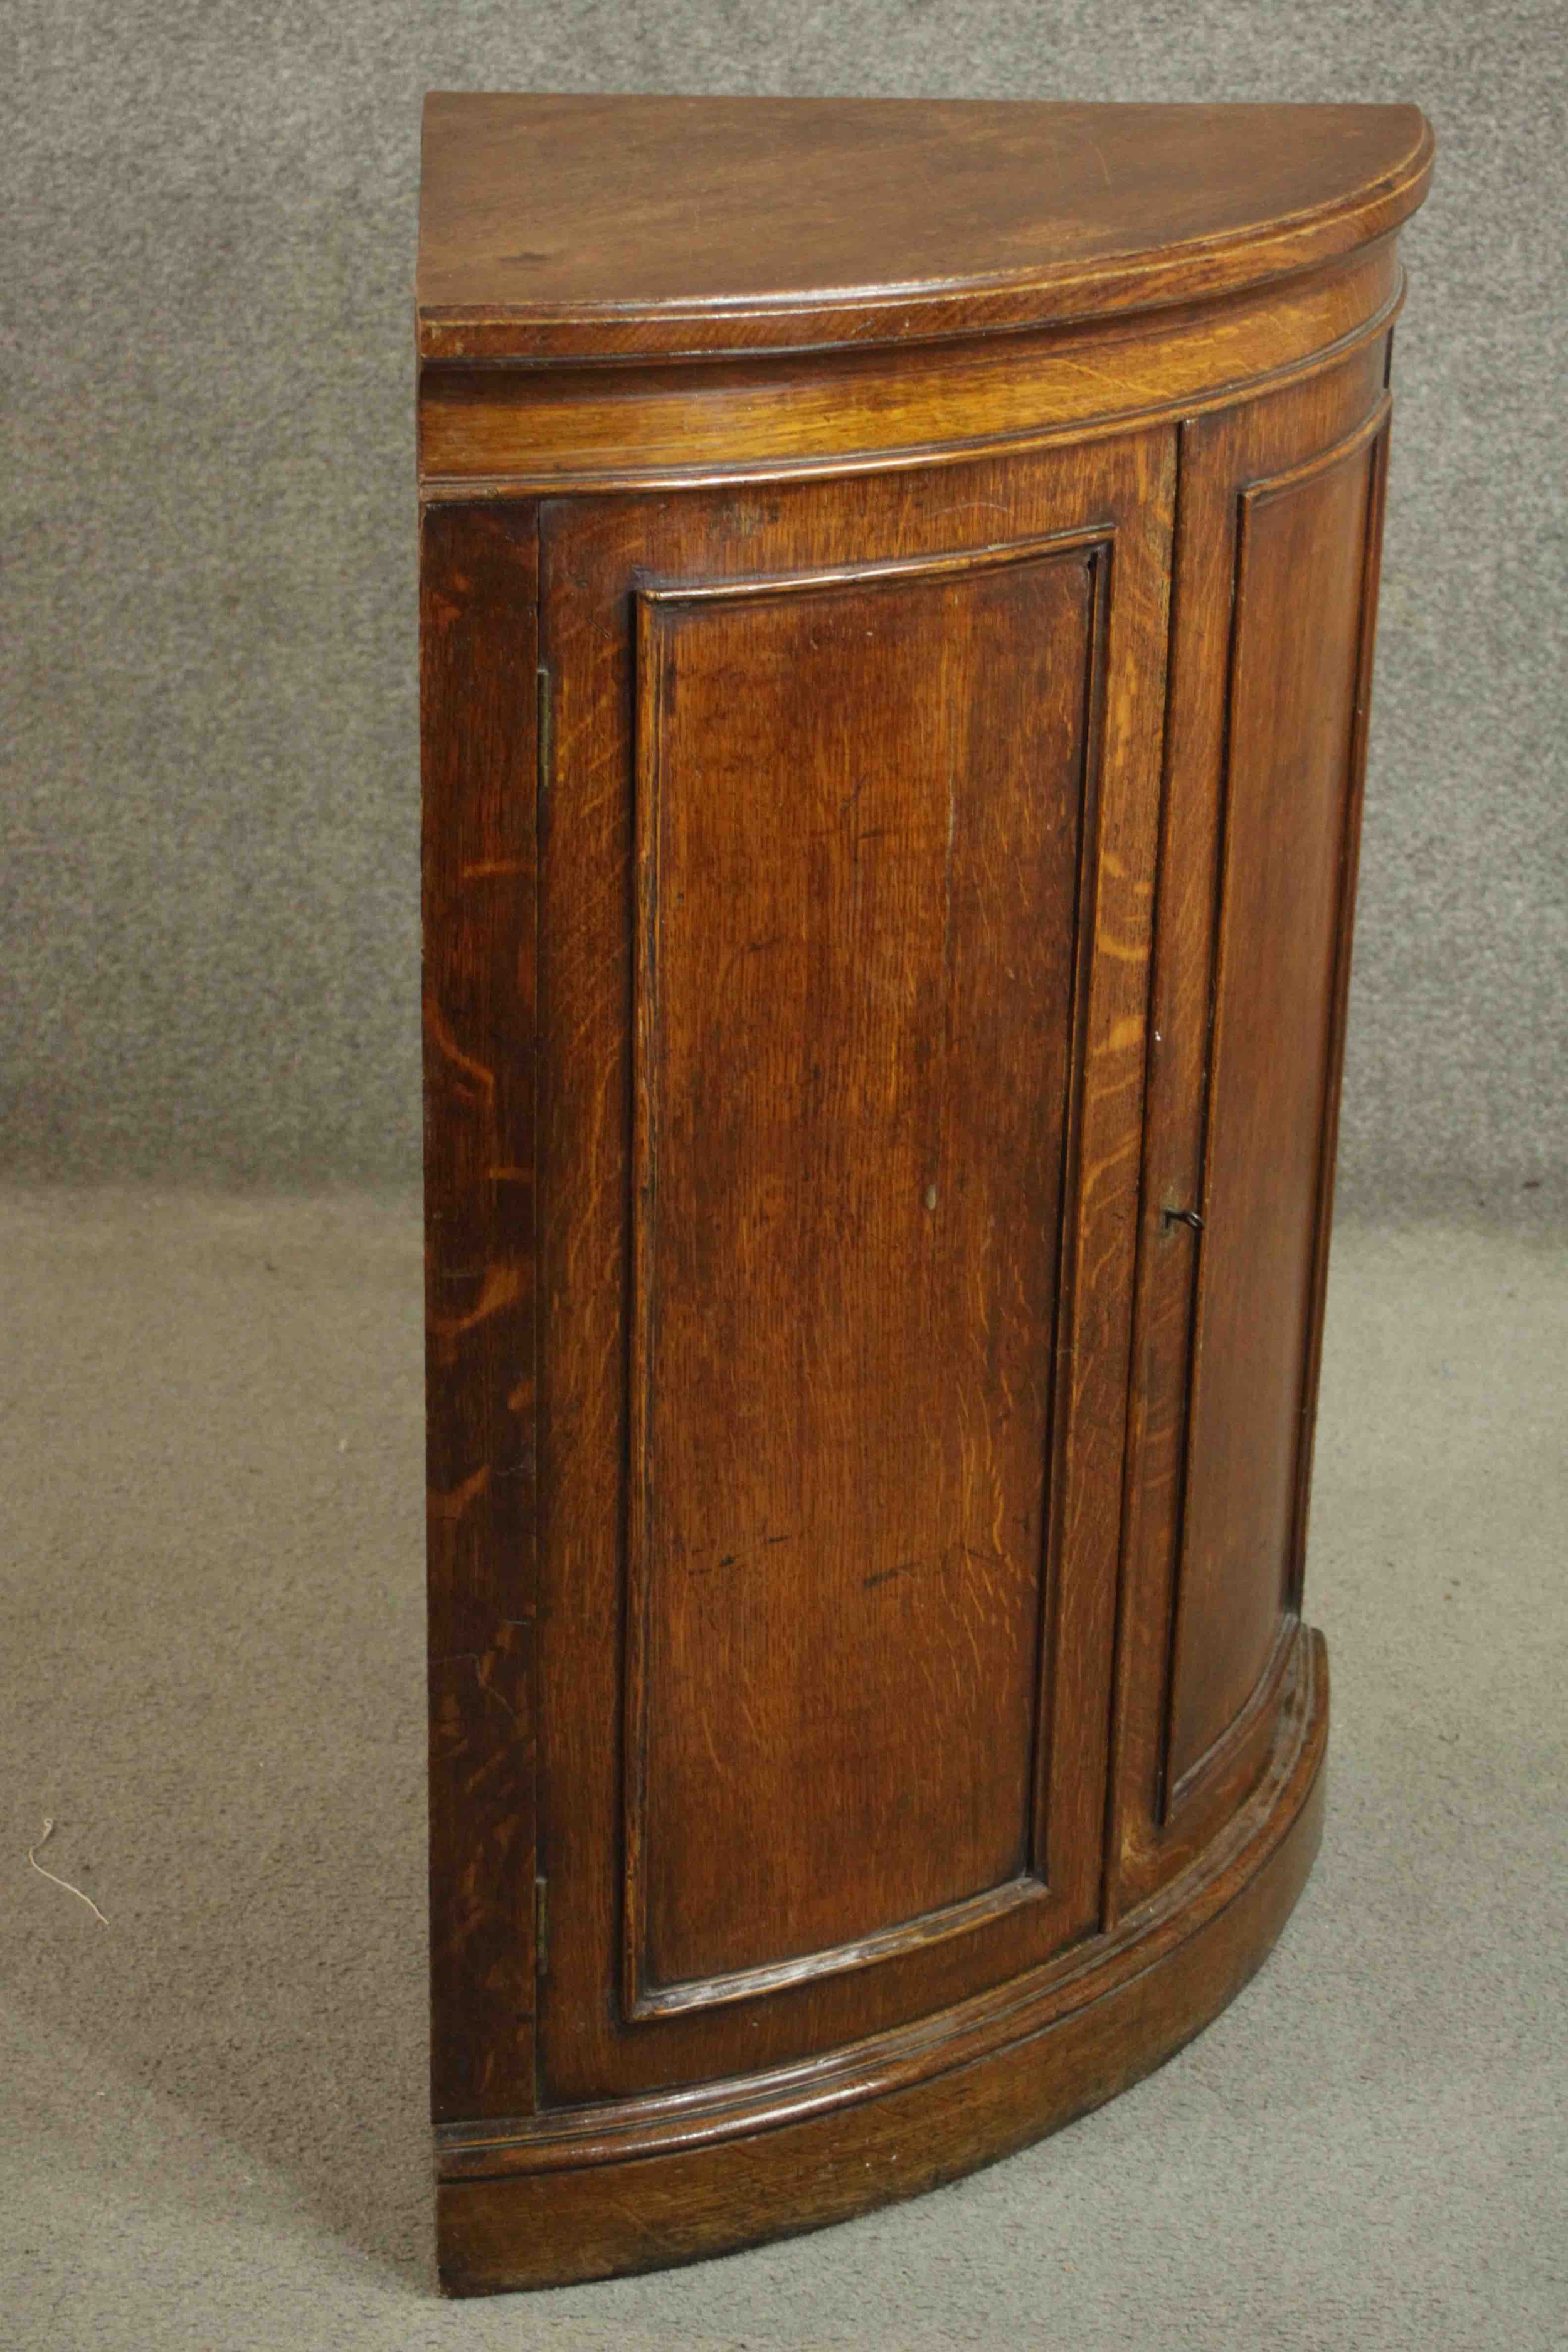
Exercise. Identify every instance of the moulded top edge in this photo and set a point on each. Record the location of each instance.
(585, 227)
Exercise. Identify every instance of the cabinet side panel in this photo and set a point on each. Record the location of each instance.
(1295, 680)
(478, 582)
(860, 843)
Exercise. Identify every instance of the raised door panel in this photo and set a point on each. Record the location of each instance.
(855, 984)
(1280, 506)
(843, 958)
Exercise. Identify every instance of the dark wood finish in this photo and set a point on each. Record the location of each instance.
(501, 430)
(890, 824)
(817, 1187)
(916, 2119)
(1185, 1532)
(561, 227)
(478, 592)
(798, 1248)
(1291, 712)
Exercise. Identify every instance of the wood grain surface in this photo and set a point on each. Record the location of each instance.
(891, 808)
(553, 227)
(512, 432)
(845, 1299)
(1206, 1111)
(872, 1008)
(479, 605)
(1290, 730)
(532, 2213)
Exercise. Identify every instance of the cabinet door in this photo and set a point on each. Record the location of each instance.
(847, 823)
(1275, 593)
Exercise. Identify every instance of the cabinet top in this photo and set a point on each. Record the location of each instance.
(556, 227)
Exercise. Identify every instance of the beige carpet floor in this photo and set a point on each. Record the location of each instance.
(212, 2106)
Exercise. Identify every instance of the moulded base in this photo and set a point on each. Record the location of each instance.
(589, 2193)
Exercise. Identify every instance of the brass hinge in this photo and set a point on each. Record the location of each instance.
(541, 1924)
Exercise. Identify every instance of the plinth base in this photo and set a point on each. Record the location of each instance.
(590, 2192)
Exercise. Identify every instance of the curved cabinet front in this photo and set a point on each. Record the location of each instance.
(887, 941)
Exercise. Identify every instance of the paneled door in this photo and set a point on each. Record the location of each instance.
(1265, 749)
(844, 791)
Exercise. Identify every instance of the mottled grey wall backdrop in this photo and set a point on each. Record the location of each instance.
(210, 829)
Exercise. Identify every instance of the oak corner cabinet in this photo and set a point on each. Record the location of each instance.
(898, 589)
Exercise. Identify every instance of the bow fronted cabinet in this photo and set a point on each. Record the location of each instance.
(898, 592)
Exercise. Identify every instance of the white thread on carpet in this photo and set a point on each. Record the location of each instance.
(37, 1865)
